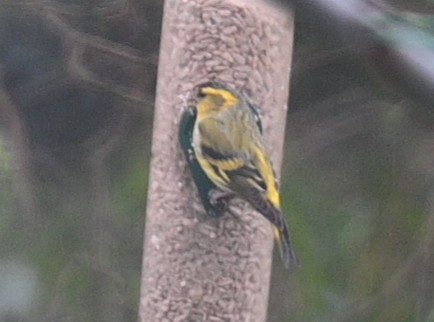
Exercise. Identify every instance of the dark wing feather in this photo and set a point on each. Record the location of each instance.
(275, 216)
(250, 178)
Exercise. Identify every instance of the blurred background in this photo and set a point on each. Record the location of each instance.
(76, 108)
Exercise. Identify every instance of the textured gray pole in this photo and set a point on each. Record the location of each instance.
(196, 268)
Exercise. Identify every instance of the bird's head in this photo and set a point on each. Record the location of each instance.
(213, 97)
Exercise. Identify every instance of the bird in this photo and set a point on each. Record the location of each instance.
(230, 149)
(214, 203)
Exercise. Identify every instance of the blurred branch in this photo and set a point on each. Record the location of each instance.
(118, 58)
(121, 55)
(118, 50)
(395, 42)
(23, 178)
(77, 68)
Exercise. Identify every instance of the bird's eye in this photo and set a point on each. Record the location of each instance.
(200, 94)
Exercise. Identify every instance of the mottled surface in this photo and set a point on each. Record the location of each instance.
(197, 268)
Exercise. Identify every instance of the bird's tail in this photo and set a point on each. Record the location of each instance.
(286, 250)
(280, 227)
